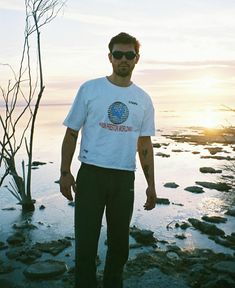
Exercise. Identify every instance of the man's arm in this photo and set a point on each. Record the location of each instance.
(145, 150)
(68, 147)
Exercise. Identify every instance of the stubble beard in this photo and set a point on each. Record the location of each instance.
(124, 71)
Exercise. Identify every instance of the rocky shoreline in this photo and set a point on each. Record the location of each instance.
(24, 262)
(175, 266)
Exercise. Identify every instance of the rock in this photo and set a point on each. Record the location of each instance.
(177, 150)
(144, 237)
(24, 225)
(217, 186)
(135, 245)
(165, 144)
(69, 237)
(225, 241)
(206, 228)
(219, 281)
(171, 185)
(16, 239)
(153, 278)
(214, 150)
(45, 269)
(231, 237)
(214, 219)
(141, 263)
(194, 189)
(9, 209)
(180, 236)
(38, 163)
(228, 176)
(225, 267)
(162, 155)
(184, 225)
(5, 268)
(172, 256)
(42, 207)
(156, 145)
(209, 170)
(163, 201)
(4, 283)
(25, 254)
(197, 268)
(230, 212)
(205, 137)
(53, 247)
(228, 158)
(3, 245)
(173, 248)
(195, 152)
(177, 204)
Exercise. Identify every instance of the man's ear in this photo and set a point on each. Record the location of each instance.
(110, 57)
(137, 58)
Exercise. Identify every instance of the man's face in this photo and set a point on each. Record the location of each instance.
(123, 67)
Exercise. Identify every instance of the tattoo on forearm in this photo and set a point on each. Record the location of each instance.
(145, 153)
(146, 171)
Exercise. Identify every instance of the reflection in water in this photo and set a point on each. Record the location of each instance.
(56, 221)
(211, 205)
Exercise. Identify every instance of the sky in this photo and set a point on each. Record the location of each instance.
(187, 48)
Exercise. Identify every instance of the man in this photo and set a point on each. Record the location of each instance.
(116, 117)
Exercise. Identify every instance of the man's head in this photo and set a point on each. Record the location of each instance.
(124, 54)
(124, 38)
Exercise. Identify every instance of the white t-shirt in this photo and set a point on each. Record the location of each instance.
(112, 118)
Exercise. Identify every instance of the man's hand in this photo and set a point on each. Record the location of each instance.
(151, 198)
(66, 182)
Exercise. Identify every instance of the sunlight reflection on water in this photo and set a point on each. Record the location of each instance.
(211, 206)
(181, 167)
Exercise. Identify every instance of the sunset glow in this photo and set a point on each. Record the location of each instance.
(184, 62)
(207, 82)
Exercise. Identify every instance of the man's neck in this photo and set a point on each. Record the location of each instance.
(120, 81)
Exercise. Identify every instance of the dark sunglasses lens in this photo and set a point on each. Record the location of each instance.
(130, 55)
(117, 54)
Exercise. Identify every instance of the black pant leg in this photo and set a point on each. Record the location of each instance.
(89, 208)
(119, 210)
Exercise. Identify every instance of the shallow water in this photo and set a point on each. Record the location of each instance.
(56, 221)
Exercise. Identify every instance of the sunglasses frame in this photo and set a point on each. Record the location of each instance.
(129, 55)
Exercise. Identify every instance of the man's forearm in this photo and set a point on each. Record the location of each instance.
(145, 150)
(68, 148)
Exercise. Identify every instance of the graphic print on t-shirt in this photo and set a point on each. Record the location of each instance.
(118, 112)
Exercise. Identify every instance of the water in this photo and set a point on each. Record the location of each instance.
(181, 167)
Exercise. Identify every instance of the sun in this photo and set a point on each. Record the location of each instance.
(209, 118)
(207, 82)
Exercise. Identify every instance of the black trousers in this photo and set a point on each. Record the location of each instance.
(99, 189)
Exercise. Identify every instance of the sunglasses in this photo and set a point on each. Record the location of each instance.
(130, 55)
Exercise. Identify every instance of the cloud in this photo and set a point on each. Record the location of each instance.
(191, 65)
(12, 5)
(96, 19)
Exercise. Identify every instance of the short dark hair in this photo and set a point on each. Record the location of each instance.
(124, 38)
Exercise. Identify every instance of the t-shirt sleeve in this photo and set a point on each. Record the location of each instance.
(77, 114)
(148, 124)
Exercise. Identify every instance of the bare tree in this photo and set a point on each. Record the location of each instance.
(21, 99)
